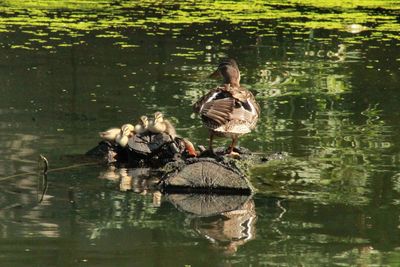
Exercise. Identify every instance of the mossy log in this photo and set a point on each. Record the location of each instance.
(205, 175)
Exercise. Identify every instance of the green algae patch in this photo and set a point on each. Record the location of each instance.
(77, 18)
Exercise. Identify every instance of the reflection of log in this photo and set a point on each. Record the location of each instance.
(206, 175)
(205, 205)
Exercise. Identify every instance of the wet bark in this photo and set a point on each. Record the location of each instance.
(207, 173)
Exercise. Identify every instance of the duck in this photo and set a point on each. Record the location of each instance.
(161, 125)
(142, 125)
(110, 134)
(228, 110)
(127, 131)
(119, 135)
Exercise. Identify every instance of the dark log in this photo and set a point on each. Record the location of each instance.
(210, 173)
(205, 175)
(149, 144)
(148, 149)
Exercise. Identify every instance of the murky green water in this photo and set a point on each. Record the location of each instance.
(69, 69)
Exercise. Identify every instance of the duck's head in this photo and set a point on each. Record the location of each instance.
(127, 129)
(158, 117)
(144, 121)
(229, 71)
(142, 125)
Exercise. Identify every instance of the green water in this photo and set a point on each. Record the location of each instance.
(69, 69)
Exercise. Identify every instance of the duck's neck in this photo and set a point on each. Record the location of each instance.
(232, 82)
(231, 76)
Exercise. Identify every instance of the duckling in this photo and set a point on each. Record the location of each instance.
(110, 134)
(142, 125)
(127, 131)
(161, 125)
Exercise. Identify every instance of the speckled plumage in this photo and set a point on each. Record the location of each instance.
(228, 110)
(160, 125)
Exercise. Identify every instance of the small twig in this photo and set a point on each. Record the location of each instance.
(46, 163)
(43, 174)
(45, 186)
(48, 171)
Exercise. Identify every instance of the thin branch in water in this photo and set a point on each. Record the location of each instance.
(45, 185)
(43, 174)
(48, 171)
(45, 163)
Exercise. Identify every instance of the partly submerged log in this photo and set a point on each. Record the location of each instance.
(205, 175)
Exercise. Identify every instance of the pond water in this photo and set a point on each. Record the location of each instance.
(327, 79)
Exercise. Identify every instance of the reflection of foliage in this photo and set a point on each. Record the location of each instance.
(121, 210)
(396, 183)
(341, 158)
(77, 18)
(295, 85)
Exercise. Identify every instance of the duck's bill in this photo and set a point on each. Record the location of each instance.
(215, 75)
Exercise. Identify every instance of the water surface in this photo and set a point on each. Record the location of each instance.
(326, 77)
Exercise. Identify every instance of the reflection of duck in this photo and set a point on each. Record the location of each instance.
(125, 183)
(229, 230)
(161, 125)
(139, 180)
(229, 110)
(109, 174)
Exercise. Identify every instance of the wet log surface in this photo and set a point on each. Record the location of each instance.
(215, 173)
(205, 175)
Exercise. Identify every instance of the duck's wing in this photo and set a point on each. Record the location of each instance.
(227, 103)
(217, 93)
(197, 107)
(217, 112)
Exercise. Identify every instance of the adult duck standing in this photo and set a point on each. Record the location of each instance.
(228, 110)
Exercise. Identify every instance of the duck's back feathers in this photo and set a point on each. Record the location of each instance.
(228, 109)
(217, 112)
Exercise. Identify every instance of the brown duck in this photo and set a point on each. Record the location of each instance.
(228, 110)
